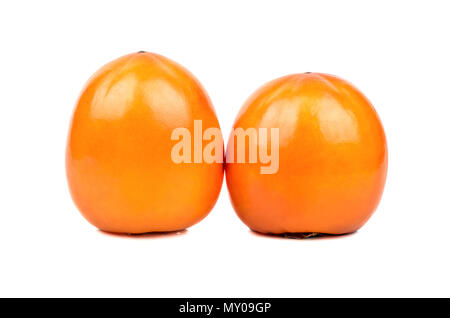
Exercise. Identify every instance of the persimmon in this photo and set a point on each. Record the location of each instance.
(331, 151)
(119, 167)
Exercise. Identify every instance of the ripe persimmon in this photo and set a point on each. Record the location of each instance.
(332, 157)
(118, 161)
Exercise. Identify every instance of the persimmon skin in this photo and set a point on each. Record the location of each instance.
(118, 158)
(332, 158)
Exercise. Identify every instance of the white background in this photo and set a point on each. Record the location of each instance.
(396, 52)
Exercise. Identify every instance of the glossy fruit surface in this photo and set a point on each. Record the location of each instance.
(118, 161)
(332, 158)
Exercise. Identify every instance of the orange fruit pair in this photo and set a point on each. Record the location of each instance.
(307, 154)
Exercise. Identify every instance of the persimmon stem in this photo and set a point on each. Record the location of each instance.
(302, 235)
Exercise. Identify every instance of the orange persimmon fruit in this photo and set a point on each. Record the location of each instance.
(118, 159)
(332, 158)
